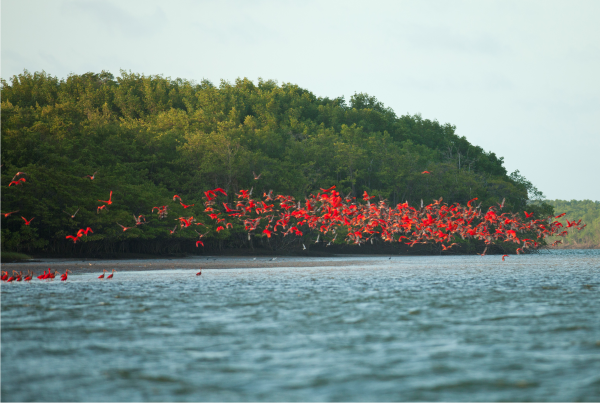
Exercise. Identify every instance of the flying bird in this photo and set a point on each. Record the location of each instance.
(27, 222)
(17, 182)
(109, 201)
(124, 227)
(92, 176)
(18, 174)
(72, 215)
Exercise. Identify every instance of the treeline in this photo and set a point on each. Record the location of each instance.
(589, 213)
(149, 137)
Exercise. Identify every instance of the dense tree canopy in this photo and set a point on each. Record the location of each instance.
(149, 137)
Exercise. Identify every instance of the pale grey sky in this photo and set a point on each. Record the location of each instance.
(513, 76)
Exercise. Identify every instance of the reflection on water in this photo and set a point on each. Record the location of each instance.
(409, 328)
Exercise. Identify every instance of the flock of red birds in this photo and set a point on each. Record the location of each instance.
(47, 275)
(330, 214)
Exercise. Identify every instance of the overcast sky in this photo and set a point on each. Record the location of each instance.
(519, 78)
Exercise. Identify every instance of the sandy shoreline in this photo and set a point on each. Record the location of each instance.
(215, 262)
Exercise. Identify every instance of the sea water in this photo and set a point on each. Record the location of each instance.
(465, 328)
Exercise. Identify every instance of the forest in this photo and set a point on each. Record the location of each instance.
(586, 210)
(147, 138)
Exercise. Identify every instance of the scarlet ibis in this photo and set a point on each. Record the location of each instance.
(504, 256)
(72, 215)
(124, 227)
(18, 174)
(111, 274)
(12, 212)
(92, 176)
(102, 275)
(27, 222)
(425, 172)
(199, 273)
(109, 201)
(17, 182)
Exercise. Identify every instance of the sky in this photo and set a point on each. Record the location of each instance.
(518, 78)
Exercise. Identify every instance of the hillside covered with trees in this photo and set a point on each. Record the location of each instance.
(149, 137)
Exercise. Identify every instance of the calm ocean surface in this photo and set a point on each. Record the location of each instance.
(466, 328)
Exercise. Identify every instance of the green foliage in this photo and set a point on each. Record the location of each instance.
(8, 257)
(588, 212)
(149, 137)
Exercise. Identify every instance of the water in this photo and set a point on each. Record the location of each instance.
(410, 328)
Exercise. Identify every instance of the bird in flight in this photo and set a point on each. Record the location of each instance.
(425, 172)
(186, 206)
(138, 220)
(504, 256)
(27, 222)
(109, 201)
(12, 212)
(72, 215)
(92, 176)
(17, 182)
(124, 227)
(256, 177)
(18, 174)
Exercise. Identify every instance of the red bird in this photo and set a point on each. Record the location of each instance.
(73, 238)
(199, 242)
(199, 273)
(503, 256)
(109, 201)
(101, 208)
(327, 190)
(12, 212)
(41, 276)
(425, 172)
(176, 197)
(64, 276)
(18, 174)
(91, 176)
(27, 222)
(111, 274)
(102, 275)
(4, 276)
(184, 206)
(17, 182)
(528, 215)
(124, 227)
(227, 209)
